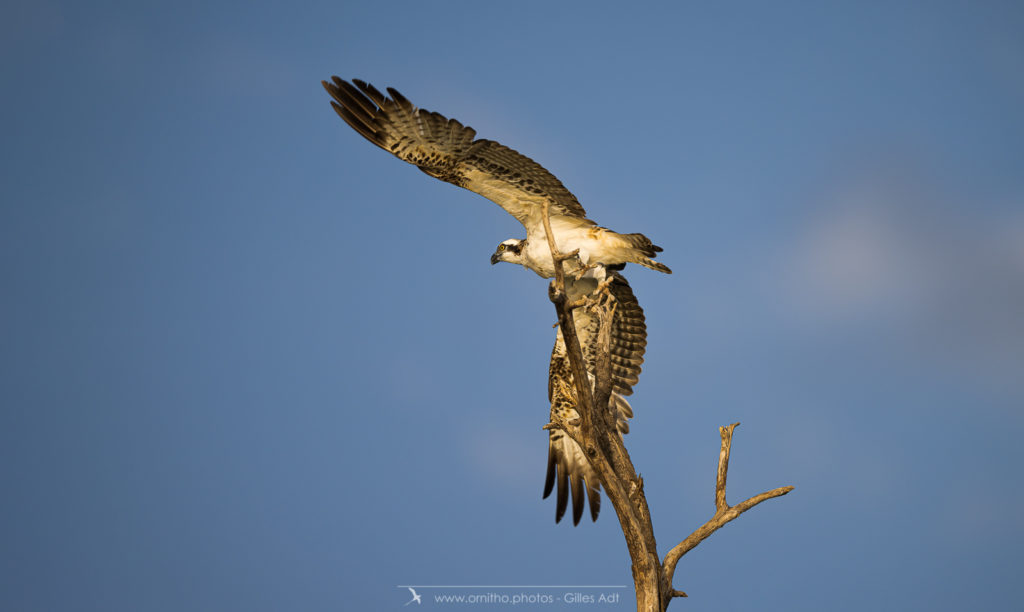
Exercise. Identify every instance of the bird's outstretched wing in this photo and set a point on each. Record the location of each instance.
(567, 465)
(450, 151)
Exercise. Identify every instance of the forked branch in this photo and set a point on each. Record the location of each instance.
(724, 513)
(597, 435)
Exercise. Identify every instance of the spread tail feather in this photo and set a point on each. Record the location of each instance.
(570, 469)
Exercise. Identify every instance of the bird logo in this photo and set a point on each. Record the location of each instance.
(415, 596)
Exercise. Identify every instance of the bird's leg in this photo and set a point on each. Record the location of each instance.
(603, 291)
(599, 297)
(583, 269)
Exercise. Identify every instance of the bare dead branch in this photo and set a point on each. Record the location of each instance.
(555, 426)
(596, 433)
(723, 466)
(603, 364)
(568, 429)
(598, 443)
(565, 319)
(724, 513)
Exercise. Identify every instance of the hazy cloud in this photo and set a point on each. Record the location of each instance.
(936, 279)
(499, 455)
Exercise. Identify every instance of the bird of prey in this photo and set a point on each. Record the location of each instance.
(566, 462)
(450, 151)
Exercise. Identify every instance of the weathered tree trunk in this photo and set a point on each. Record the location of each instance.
(597, 435)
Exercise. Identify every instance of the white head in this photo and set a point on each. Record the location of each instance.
(510, 250)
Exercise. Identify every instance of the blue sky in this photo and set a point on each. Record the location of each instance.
(250, 362)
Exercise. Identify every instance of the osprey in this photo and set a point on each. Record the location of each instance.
(566, 462)
(450, 151)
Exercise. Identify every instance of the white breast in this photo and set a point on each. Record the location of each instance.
(569, 236)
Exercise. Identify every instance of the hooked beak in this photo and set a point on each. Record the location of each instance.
(495, 258)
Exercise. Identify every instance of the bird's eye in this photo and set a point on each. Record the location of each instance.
(501, 247)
